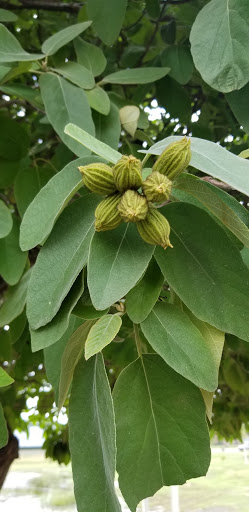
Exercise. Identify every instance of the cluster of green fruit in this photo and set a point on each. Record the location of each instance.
(130, 199)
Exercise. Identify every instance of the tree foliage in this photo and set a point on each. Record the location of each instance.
(135, 343)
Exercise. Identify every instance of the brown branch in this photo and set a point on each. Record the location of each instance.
(217, 183)
(72, 7)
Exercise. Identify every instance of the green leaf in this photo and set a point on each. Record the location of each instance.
(6, 221)
(99, 100)
(18, 69)
(95, 145)
(15, 300)
(54, 330)
(210, 278)
(70, 358)
(46, 207)
(65, 103)
(90, 56)
(142, 298)
(215, 342)
(136, 76)
(3, 429)
(29, 181)
(84, 308)
(53, 356)
(8, 172)
(92, 438)
(3, 72)
(12, 259)
(11, 50)
(174, 337)
(153, 8)
(7, 16)
(161, 429)
(174, 98)
(107, 18)
(117, 260)
(68, 244)
(23, 91)
(129, 116)
(14, 141)
(238, 102)
(108, 127)
(219, 41)
(101, 334)
(229, 211)
(77, 74)
(5, 379)
(179, 60)
(61, 38)
(214, 160)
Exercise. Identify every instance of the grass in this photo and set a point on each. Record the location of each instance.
(225, 489)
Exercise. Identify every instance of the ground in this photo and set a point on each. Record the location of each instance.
(38, 485)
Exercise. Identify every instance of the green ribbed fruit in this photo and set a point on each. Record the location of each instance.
(127, 173)
(98, 178)
(174, 159)
(106, 214)
(155, 229)
(157, 187)
(133, 207)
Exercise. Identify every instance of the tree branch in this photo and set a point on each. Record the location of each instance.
(217, 183)
(72, 7)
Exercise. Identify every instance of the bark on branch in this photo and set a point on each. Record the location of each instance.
(7, 455)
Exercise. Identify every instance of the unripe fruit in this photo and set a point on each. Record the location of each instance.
(155, 229)
(174, 159)
(106, 214)
(98, 178)
(133, 207)
(127, 173)
(157, 187)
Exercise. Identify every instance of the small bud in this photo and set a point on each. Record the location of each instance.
(155, 229)
(106, 214)
(133, 207)
(98, 178)
(157, 187)
(127, 173)
(174, 159)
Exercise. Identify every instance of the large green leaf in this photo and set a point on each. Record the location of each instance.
(99, 100)
(60, 260)
(14, 140)
(117, 260)
(90, 56)
(101, 334)
(70, 358)
(54, 330)
(7, 16)
(12, 259)
(14, 300)
(5, 379)
(8, 172)
(162, 436)
(206, 269)
(11, 50)
(175, 338)
(229, 211)
(179, 60)
(53, 356)
(43, 212)
(107, 18)
(65, 103)
(95, 145)
(3, 429)
(219, 43)
(55, 42)
(92, 438)
(136, 76)
(23, 91)
(108, 127)
(77, 74)
(212, 159)
(141, 299)
(6, 221)
(29, 181)
(238, 102)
